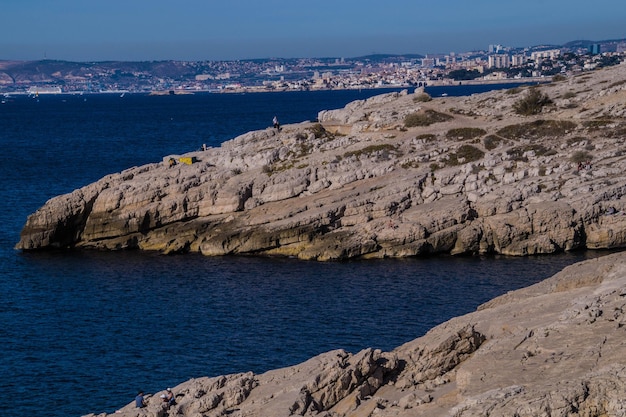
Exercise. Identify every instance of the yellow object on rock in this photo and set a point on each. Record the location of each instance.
(187, 159)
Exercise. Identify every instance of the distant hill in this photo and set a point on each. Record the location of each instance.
(385, 57)
(63, 72)
(606, 45)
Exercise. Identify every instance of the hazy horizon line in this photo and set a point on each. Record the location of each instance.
(291, 56)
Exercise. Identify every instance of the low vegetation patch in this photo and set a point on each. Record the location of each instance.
(558, 77)
(537, 129)
(597, 123)
(581, 156)
(303, 149)
(491, 142)
(383, 151)
(569, 94)
(577, 139)
(520, 153)
(532, 103)
(465, 133)
(276, 168)
(469, 113)
(426, 137)
(464, 155)
(318, 131)
(409, 164)
(513, 91)
(425, 118)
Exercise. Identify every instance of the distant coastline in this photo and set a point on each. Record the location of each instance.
(498, 65)
(56, 90)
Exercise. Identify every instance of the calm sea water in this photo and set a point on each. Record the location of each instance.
(83, 331)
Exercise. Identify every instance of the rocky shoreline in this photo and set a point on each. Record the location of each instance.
(393, 176)
(556, 348)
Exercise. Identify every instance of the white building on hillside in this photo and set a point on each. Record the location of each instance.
(549, 54)
(499, 61)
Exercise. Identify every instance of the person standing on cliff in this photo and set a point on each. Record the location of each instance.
(275, 123)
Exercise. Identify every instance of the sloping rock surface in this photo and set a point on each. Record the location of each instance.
(391, 176)
(557, 348)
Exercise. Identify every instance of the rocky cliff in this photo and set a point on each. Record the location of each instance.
(557, 348)
(516, 172)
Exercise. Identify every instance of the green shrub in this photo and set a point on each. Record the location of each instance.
(512, 91)
(318, 131)
(569, 94)
(465, 133)
(426, 137)
(383, 151)
(491, 142)
(532, 103)
(558, 77)
(537, 129)
(425, 118)
(465, 154)
(581, 156)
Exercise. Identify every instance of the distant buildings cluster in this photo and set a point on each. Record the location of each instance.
(496, 63)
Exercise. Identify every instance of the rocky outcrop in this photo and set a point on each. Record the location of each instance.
(556, 348)
(392, 176)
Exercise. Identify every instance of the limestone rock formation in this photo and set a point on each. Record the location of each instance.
(391, 176)
(557, 348)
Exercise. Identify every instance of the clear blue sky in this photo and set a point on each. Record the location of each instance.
(96, 30)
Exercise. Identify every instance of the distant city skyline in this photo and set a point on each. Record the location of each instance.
(137, 30)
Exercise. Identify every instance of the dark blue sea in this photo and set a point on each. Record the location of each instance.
(81, 332)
